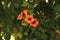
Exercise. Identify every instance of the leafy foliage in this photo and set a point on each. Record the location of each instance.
(47, 14)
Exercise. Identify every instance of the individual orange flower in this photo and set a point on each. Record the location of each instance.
(58, 31)
(20, 16)
(29, 18)
(25, 11)
(34, 23)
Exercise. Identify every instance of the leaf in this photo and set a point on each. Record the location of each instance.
(31, 11)
(20, 35)
(25, 33)
(57, 8)
(25, 4)
(12, 37)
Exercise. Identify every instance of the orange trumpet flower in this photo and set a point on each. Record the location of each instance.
(29, 18)
(20, 16)
(58, 31)
(25, 11)
(34, 23)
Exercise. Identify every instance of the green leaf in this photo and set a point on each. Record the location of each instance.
(57, 8)
(20, 35)
(25, 4)
(26, 33)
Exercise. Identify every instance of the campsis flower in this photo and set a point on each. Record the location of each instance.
(34, 23)
(20, 16)
(25, 12)
(29, 18)
(58, 31)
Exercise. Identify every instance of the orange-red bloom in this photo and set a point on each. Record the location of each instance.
(29, 18)
(58, 31)
(25, 11)
(20, 16)
(34, 23)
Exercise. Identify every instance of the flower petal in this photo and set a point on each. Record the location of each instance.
(34, 23)
(20, 16)
(29, 19)
(25, 11)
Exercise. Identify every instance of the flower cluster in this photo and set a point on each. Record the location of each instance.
(29, 18)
